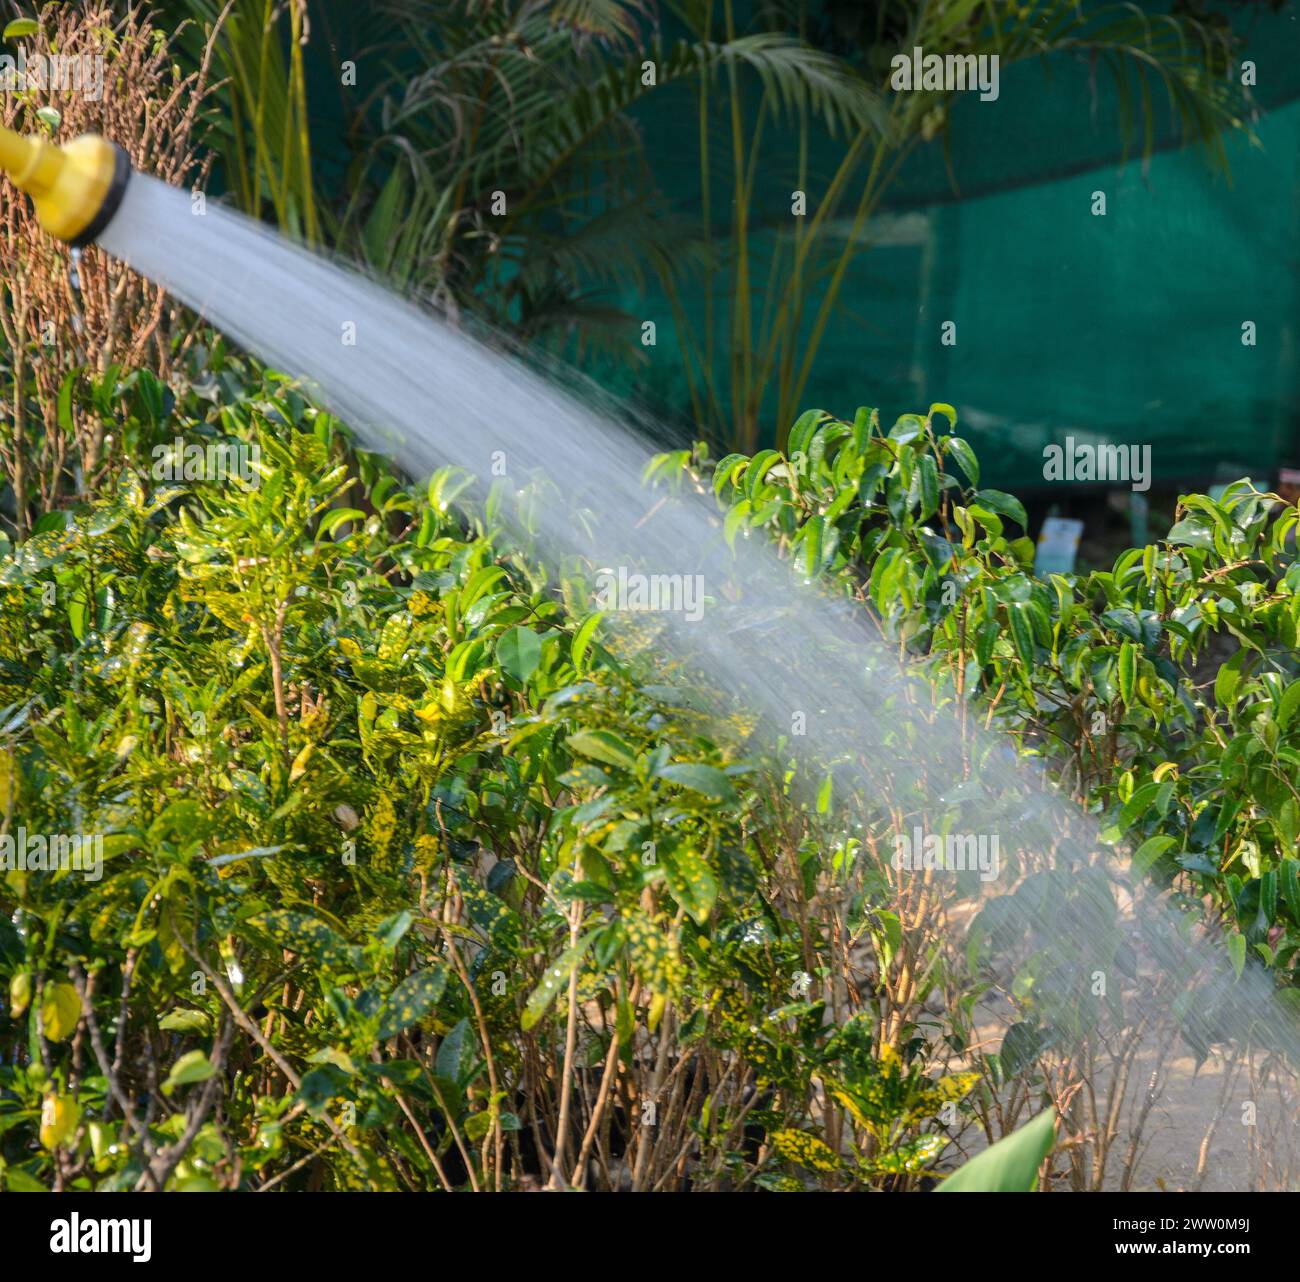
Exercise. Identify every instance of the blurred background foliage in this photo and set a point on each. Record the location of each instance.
(615, 183)
(627, 198)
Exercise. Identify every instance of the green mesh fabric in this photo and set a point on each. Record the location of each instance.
(1125, 327)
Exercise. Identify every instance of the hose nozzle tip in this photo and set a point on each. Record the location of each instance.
(75, 189)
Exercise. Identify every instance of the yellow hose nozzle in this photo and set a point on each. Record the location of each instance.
(75, 189)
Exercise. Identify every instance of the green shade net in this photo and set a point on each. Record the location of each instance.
(1124, 327)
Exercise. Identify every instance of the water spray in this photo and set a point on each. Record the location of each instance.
(413, 386)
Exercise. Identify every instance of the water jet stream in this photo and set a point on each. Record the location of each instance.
(428, 395)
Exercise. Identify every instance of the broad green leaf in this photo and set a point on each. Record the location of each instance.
(1149, 851)
(1009, 1166)
(724, 471)
(604, 746)
(453, 1051)
(181, 1020)
(1022, 634)
(757, 470)
(519, 651)
(700, 778)
(301, 933)
(336, 517)
(1228, 678)
(928, 472)
(947, 411)
(320, 1085)
(1004, 504)
(194, 1066)
(1268, 895)
(1287, 705)
(691, 881)
(1289, 880)
(411, 1000)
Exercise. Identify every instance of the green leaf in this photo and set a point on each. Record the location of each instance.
(1289, 877)
(20, 27)
(1022, 634)
(813, 531)
(18, 1181)
(1287, 705)
(1137, 805)
(1128, 653)
(582, 638)
(1192, 531)
(758, 469)
(450, 1061)
(411, 1000)
(320, 1085)
(555, 977)
(1149, 851)
(390, 932)
(1005, 504)
(1009, 1166)
(825, 792)
(336, 517)
(181, 1020)
(519, 651)
(194, 1066)
(726, 467)
(63, 406)
(300, 933)
(733, 522)
(1228, 678)
(700, 778)
(691, 881)
(801, 434)
(602, 745)
(928, 474)
(1237, 953)
(1268, 895)
(20, 993)
(966, 460)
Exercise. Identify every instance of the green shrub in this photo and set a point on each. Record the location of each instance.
(1163, 690)
(414, 877)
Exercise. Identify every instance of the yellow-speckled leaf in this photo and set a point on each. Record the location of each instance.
(411, 1000)
(691, 881)
(805, 1149)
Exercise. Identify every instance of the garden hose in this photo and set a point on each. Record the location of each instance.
(76, 189)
